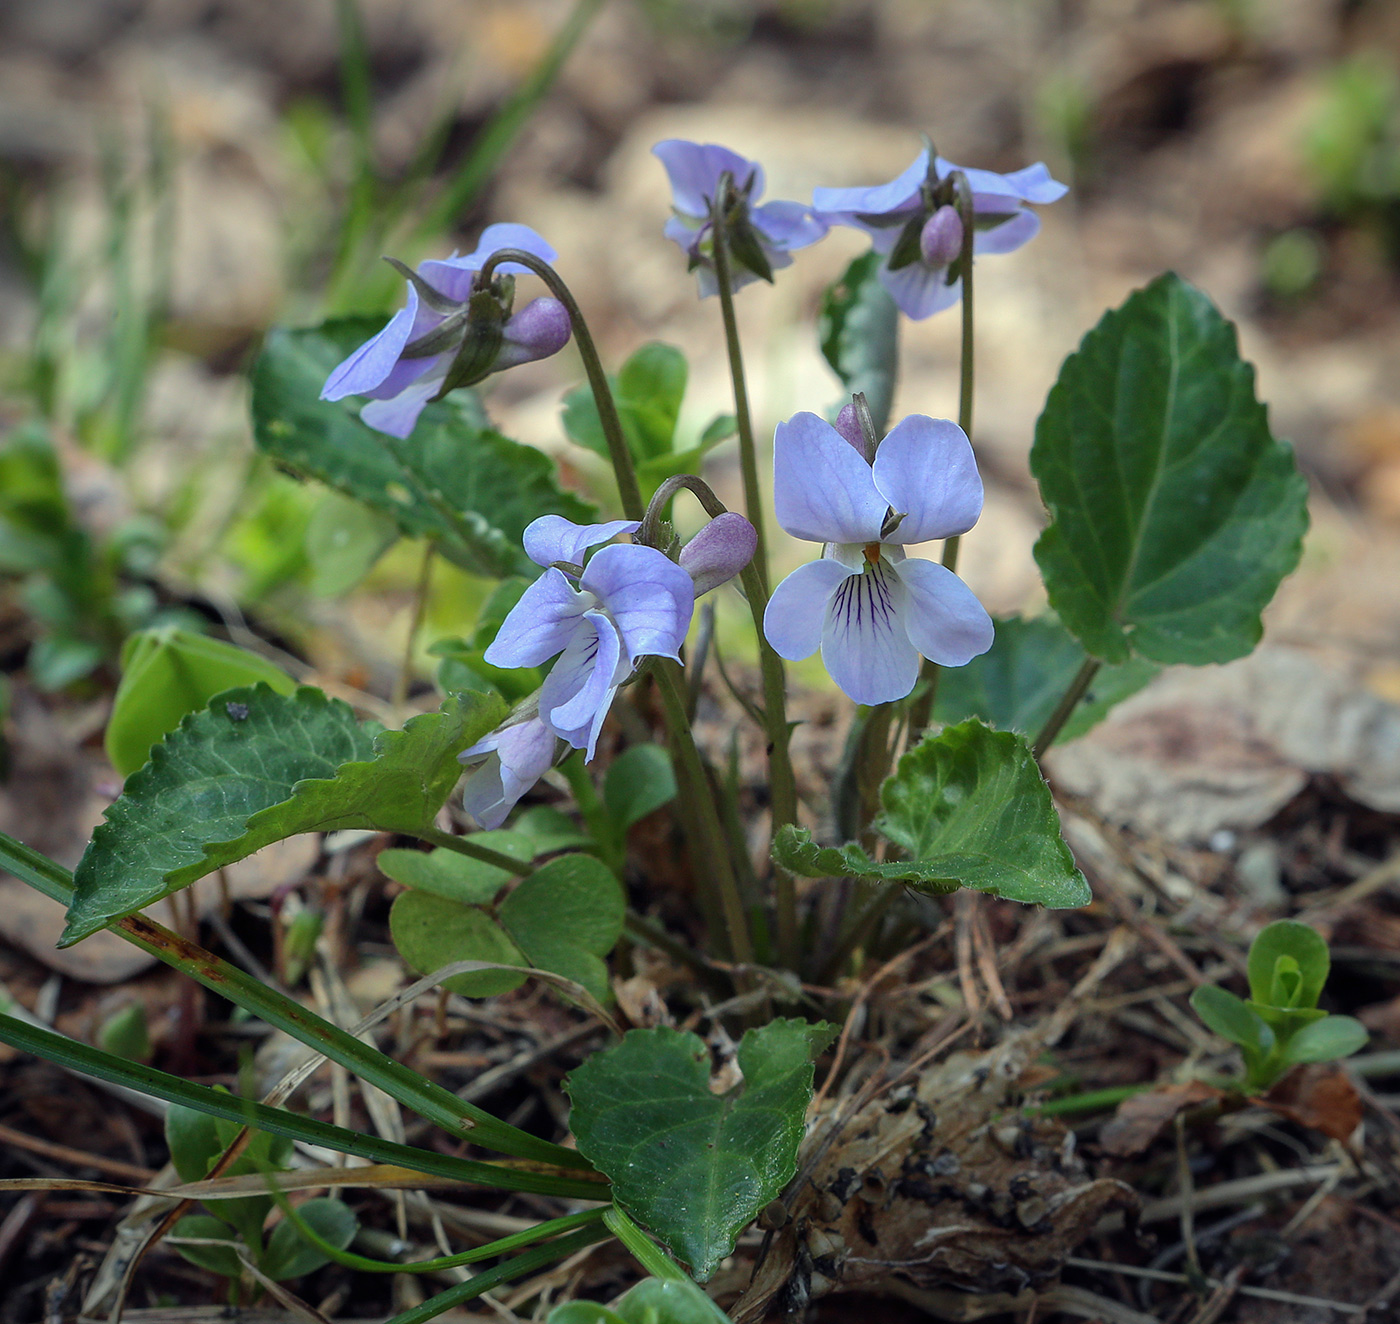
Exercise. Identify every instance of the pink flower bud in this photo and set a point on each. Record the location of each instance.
(719, 551)
(848, 425)
(942, 237)
(539, 329)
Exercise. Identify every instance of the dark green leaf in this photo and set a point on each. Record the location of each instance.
(693, 1166)
(167, 673)
(1298, 945)
(969, 808)
(454, 479)
(565, 917)
(431, 932)
(1174, 512)
(1017, 683)
(289, 1256)
(639, 781)
(217, 1259)
(1326, 1041)
(256, 767)
(859, 333)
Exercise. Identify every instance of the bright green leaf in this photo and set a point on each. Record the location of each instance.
(969, 808)
(289, 1256)
(457, 877)
(1174, 512)
(693, 1166)
(1296, 945)
(1326, 1041)
(344, 539)
(859, 333)
(647, 391)
(639, 781)
(167, 673)
(550, 830)
(454, 479)
(1228, 1016)
(431, 932)
(256, 767)
(1017, 683)
(565, 917)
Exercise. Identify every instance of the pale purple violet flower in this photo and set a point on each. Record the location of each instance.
(719, 551)
(917, 230)
(869, 608)
(760, 236)
(509, 761)
(400, 387)
(630, 602)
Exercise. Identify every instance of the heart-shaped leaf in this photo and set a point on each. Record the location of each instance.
(454, 479)
(859, 333)
(1174, 513)
(1015, 685)
(454, 876)
(289, 1256)
(639, 781)
(431, 932)
(255, 767)
(969, 808)
(693, 1166)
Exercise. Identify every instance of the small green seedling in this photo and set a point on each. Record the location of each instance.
(1281, 1026)
(219, 1240)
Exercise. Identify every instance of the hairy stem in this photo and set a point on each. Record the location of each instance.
(627, 489)
(1069, 701)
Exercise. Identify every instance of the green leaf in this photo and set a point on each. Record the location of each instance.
(57, 660)
(217, 1259)
(647, 391)
(344, 540)
(1301, 950)
(290, 1256)
(652, 1301)
(1017, 683)
(454, 479)
(565, 917)
(167, 673)
(1228, 1016)
(126, 1033)
(1326, 1041)
(457, 877)
(969, 808)
(693, 1166)
(1174, 512)
(550, 830)
(639, 782)
(431, 932)
(859, 332)
(256, 767)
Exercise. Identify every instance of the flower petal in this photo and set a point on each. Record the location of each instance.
(822, 490)
(864, 643)
(515, 759)
(396, 417)
(694, 170)
(1031, 183)
(926, 470)
(919, 290)
(797, 609)
(544, 622)
(841, 206)
(577, 693)
(553, 538)
(1007, 237)
(647, 594)
(944, 620)
(788, 225)
(369, 365)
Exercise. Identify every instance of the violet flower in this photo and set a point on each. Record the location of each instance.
(869, 607)
(719, 551)
(507, 763)
(461, 336)
(761, 238)
(915, 225)
(628, 602)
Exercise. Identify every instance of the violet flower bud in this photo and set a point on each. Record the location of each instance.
(719, 551)
(539, 329)
(941, 239)
(848, 425)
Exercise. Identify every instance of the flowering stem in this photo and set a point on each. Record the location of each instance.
(922, 708)
(1069, 701)
(621, 456)
(782, 785)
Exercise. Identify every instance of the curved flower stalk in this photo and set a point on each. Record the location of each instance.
(865, 603)
(762, 238)
(915, 225)
(627, 603)
(450, 333)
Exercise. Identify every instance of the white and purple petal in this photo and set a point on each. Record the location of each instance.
(920, 291)
(1018, 229)
(796, 612)
(843, 206)
(927, 472)
(367, 367)
(694, 170)
(823, 490)
(943, 618)
(514, 759)
(865, 646)
(1031, 183)
(787, 226)
(397, 415)
(552, 538)
(544, 622)
(579, 690)
(647, 594)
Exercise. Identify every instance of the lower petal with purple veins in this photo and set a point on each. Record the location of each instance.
(865, 646)
(579, 690)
